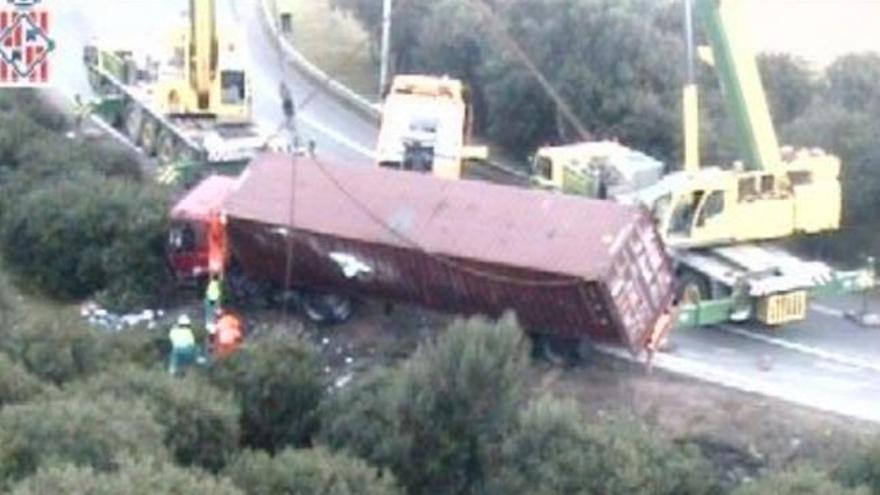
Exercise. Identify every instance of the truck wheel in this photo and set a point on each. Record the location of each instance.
(149, 135)
(327, 309)
(692, 288)
(561, 351)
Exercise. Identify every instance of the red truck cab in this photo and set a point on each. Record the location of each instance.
(188, 247)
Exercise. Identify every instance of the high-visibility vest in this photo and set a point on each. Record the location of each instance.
(213, 292)
(181, 337)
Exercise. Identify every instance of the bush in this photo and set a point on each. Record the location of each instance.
(16, 383)
(313, 471)
(278, 382)
(53, 345)
(556, 451)
(71, 242)
(360, 419)
(437, 420)
(799, 482)
(200, 421)
(133, 478)
(862, 468)
(96, 432)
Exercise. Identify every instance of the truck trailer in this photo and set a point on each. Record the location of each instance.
(569, 267)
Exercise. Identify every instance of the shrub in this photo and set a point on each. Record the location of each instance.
(313, 471)
(71, 242)
(799, 482)
(555, 451)
(862, 468)
(96, 432)
(53, 345)
(278, 382)
(133, 478)
(437, 420)
(200, 421)
(16, 383)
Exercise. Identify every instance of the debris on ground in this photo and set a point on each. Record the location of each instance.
(101, 318)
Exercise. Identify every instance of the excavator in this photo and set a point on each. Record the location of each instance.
(190, 106)
(720, 223)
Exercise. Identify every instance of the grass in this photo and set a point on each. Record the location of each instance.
(334, 41)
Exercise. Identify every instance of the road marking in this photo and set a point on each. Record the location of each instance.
(834, 357)
(860, 408)
(339, 138)
(828, 311)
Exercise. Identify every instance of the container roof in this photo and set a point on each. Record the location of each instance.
(531, 229)
(205, 199)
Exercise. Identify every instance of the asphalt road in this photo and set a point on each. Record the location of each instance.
(826, 362)
(340, 134)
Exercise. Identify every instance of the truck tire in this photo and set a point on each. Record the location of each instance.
(326, 308)
(561, 351)
(693, 288)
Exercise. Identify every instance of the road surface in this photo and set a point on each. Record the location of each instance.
(340, 134)
(826, 362)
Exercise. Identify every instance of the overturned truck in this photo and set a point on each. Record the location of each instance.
(568, 267)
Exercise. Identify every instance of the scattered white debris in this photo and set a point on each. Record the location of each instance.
(325, 341)
(343, 380)
(99, 317)
(348, 360)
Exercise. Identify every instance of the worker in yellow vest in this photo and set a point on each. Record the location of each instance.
(183, 345)
(213, 300)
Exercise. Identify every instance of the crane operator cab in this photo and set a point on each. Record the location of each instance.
(713, 206)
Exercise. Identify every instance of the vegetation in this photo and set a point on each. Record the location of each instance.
(76, 218)
(313, 471)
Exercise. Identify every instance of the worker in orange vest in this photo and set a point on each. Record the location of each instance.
(228, 335)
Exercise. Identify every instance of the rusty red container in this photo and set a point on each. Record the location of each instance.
(565, 265)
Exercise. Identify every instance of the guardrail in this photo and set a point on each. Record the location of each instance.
(343, 93)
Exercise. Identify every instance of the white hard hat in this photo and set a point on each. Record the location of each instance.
(183, 320)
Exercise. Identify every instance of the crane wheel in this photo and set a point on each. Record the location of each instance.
(326, 308)
(167, 149)
(692, 288)
(148, 138)
(134, 120)
(561, 351)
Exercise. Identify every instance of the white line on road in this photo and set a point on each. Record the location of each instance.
(339, 138)
(825, 310)
(804, 349)
(862, 409)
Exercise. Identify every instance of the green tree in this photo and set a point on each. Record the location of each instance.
(96, 432)
(555, 450)
(200, 421)
(790, 85)
(799, 482)
(313, 471)
(132, 478)
(16, 383)
(278, 382)
(852, 82)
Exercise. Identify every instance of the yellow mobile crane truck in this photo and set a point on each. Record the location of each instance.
(718, 222)
(191, 106)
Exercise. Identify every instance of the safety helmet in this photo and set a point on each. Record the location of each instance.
(183, 320)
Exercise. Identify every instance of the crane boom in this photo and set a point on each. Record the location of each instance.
(203, 50)
(734, 58)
